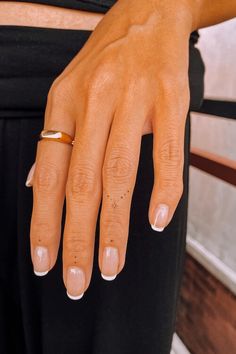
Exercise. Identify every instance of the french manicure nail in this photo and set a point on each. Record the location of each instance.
(41, 261)
(75, 297)
(110, 263)
(75, 283)
(161, 216)
(29, 179)
(106, 277)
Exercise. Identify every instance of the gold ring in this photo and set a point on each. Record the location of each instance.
(56, 135)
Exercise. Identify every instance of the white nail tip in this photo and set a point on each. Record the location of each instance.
(75, 297)
(40, 274)
(106, 277)
(157, 228)
(28, 184)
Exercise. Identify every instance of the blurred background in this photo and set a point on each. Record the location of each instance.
(206, 321)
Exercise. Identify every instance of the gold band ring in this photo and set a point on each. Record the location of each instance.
(56, 135)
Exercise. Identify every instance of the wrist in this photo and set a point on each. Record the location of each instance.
(208, 13)
(182, 14)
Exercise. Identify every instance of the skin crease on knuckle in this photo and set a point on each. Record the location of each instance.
(42, 232)
(76, 247)
(118, 167)
(81, 182)
(46, 177)
(115, 230)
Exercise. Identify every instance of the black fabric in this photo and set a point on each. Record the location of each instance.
(101, 6)
(136, 312)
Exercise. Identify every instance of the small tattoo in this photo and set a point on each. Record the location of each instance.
(108, 241)
(115, 202)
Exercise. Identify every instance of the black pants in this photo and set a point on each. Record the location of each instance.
(135, 313)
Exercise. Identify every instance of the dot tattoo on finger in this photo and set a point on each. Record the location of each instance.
(116, 201)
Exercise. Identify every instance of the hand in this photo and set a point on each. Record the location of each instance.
(129, 79)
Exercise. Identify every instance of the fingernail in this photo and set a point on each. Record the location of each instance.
(41, 261)
(75, 283)
(29, 179)
(161, 216)
(110, 263)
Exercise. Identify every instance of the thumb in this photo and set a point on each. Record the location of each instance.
(29, 179)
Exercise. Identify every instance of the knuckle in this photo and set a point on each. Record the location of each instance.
(182, 98)
(100, 77)
(113, 230)
(42, 232)
(81, 181)
(170, 182)
(77, 247)
(172, 83)
(119, 165)
(171, 152)
(175, 97)
(93, 83)
(175, 185)
(166, 83)
(181, 80)
(46, 177)
(60, 90)
(173, 188)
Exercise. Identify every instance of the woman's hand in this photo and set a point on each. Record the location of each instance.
(129, 79)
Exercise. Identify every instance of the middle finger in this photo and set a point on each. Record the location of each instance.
(83, 196)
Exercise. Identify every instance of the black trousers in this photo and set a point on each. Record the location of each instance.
(135, 313)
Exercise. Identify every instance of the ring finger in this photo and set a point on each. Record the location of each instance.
(119, 174)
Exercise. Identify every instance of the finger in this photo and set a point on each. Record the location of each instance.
(119, 174)
(83, 196)
(49, 180)
(30, 176)
(168, 153)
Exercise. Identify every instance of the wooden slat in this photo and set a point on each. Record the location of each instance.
(216, 165)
